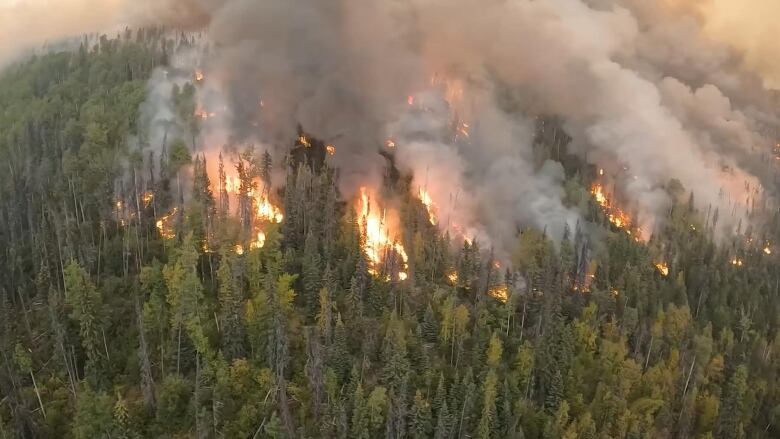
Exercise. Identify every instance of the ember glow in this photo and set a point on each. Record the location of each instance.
(379, 244)
(662, 268)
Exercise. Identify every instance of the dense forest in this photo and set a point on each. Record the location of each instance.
(118, 320)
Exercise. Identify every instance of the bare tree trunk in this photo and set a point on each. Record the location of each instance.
(38, 394)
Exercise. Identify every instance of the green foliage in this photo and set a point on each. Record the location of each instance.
(300, 338)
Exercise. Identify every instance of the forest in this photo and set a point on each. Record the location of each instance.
(133, 311)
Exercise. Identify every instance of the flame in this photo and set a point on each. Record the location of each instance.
(378, 243)
(768, 250)
(737, 262)
(267, 211)
(499, 292)
(410, 100)
(616, 215)
(601, 171)
(662, 268)
(331, 149)
(164, 225)
(199, 75)
(259, 242)
(390, 143)
(452, 276)
(426, 200)
(304, 141)
(201, 113)
(463, 129)
(147, 198)
(239, 249)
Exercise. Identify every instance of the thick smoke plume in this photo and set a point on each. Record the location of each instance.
(649, 90)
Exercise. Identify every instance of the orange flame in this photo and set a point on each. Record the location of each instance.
(616, 215)
(331, 149)
(199, 75)
(147, 198)
(378, 242)
(452, 276)
(267, 211)
(662, 268)
(426, 200)
(259, 242)
(165, 226)
(499, 292)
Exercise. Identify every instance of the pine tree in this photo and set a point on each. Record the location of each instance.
(312, 281)
(230, 305)
(420, 424)
(732, 405)
(360, 419)
(429, 325)
(86, 301)
(489, 394)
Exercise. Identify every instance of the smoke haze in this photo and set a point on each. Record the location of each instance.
(650, 91)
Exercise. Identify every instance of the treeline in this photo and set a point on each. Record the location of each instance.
(111, 329)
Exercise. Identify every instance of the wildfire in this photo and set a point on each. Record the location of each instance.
(462, 130)
(239, 249)
(499, 292)
(767, 250)
(390, 143)
(147, 198)
(616, 215)
(331, 149)
(737, 262)
(267, 211)
(378, 243)
(426, 200)
(199, 75)
(259, 242)
(452, 276)
(662, 268)
(165, 226)
(303, 140)
(203, 114)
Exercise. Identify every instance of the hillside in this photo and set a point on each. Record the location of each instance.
(144, 296)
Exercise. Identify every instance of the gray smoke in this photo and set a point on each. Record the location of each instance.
(647, 89)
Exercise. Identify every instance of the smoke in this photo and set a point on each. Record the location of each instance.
(650, 91)
(27, 24)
